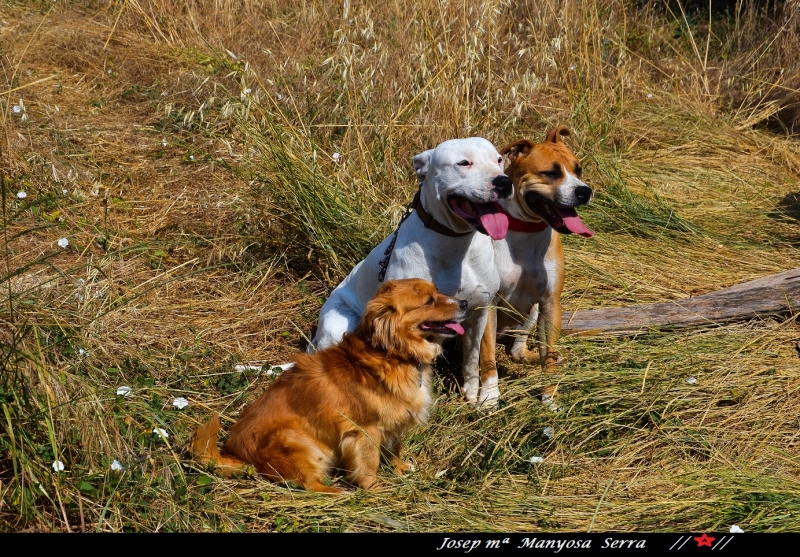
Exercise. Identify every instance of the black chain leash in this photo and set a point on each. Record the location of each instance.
(384, 263)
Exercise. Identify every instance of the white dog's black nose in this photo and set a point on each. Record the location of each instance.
(502, 186)
(583, 194)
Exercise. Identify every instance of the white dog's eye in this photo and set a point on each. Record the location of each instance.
(465, 162)
(500, 160)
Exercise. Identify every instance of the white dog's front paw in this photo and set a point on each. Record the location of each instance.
(471, 391)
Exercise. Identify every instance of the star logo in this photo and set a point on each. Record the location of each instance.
(704, 540)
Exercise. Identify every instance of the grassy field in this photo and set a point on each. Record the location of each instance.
(184, 181)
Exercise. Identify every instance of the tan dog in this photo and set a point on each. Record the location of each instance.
(530, 260)
(343, 406)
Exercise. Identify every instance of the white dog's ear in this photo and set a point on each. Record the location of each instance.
(422, 163)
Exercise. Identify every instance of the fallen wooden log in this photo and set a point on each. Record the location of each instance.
(772, 295)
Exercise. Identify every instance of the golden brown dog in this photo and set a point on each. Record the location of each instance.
(345, 405)
(530, 260)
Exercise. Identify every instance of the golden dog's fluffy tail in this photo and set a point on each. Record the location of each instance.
(204, 449)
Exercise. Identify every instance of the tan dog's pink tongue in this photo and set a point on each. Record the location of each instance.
(455, 327)
(575, 225)
(493, 221)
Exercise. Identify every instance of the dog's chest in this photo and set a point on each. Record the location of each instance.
(461, 267)
(412, 404)
(522, 264)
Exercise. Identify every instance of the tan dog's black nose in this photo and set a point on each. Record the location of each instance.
(583, 194)
(502, 186)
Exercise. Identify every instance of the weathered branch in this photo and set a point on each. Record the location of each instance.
(772, 295)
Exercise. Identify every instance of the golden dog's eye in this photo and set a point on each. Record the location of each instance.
(430, 301)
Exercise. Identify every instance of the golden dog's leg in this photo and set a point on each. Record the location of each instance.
(391, 449)
(361, 456)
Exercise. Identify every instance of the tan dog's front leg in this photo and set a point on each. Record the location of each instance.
(488, 356)
(519, 348)
(548, 331)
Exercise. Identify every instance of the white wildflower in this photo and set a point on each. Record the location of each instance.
(248, 91)
(58, 466)
(548, 432)
(536, 460)
(161, 432)
(116, 466)
(572, 68)
(81, 351)
(649, 95)
(65, 192)
(163, 141)
(336, 157)
(16, 109)
(124, 390)
(692, 380)
(736, 530)
(180, 403)
(548, 401)
(191, 157)
(63, 242)
(22, 195)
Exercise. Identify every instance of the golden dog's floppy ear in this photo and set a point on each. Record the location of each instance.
(555, 134)
(378, 326)
(519, 148)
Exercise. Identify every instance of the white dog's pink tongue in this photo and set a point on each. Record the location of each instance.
(455, 327)
(574, 223)
(493, 221)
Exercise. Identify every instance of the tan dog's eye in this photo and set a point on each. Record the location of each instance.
(578, 170)
(554, 173)
(430, 301)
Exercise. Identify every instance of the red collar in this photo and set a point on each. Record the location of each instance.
(523, 226)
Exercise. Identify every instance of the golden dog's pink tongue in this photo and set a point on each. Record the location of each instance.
(493, 221)
(455, 327)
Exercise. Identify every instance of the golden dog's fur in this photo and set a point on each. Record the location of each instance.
(345, 405)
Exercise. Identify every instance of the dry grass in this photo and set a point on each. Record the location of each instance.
(218, 167)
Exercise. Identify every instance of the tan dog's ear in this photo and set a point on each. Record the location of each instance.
(555, 134)
(519, 148)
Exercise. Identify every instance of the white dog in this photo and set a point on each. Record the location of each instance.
(461, 181)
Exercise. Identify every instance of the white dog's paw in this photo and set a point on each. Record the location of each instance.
(471, 391)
